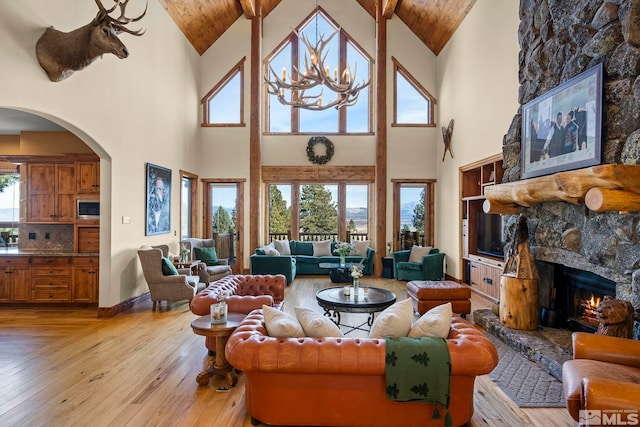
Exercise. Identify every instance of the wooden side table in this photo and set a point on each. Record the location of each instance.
(193, 265)
(221, 331)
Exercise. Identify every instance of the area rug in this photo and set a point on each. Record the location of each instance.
(528, 385)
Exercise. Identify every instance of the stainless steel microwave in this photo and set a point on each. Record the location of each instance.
(88, 209)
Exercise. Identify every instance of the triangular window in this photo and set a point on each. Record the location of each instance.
(224, 104)
(413, 104)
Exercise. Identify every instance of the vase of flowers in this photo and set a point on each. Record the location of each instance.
(184, 253)
(343, 249)
(356, 274)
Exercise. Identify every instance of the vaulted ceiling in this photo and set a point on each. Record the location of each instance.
(204, 21)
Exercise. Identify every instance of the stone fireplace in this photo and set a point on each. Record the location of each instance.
(559, 40)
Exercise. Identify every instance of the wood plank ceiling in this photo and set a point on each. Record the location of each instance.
(204, 21)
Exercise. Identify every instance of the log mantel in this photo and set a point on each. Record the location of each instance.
(609, 187)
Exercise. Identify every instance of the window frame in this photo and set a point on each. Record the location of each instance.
(429, 209)
(344, 39)
(237, 69)
(431, 100)
(193, 195)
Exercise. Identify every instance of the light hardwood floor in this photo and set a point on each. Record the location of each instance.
(69, 368)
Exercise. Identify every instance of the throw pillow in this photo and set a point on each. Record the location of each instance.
(206, 255)
(434, 323)
(322, 248)
(315, 324)
(360, 247)
(270, 250)
(283, 247)
(280, 324)
(417, 252)
(394, 321)
(168, 269)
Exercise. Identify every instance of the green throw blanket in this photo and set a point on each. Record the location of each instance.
(419, 370)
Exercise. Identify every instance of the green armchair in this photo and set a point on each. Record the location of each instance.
(430, 267)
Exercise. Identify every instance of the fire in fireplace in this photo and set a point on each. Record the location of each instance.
(578, 294)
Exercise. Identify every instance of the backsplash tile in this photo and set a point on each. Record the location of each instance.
(60, 237)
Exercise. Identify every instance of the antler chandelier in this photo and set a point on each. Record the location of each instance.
(316, 74)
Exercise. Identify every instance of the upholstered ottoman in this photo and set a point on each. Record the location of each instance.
(427, 294)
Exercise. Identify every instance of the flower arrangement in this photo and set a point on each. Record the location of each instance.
(184, 252)
(343, 249)
(356, 271)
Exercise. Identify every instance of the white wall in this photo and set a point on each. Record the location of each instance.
(132, 111)
(478, 88)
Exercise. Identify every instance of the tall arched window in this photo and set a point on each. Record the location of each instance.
(341, 52)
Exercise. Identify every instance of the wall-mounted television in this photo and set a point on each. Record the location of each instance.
(491, 239)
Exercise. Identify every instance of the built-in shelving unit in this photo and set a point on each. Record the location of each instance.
(481, 272)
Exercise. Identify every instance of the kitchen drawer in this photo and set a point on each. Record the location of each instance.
(51, 295)
(51, 282)
(51, 271)
(51, 261)
(86, 261)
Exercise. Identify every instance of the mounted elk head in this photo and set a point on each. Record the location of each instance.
(60, 53)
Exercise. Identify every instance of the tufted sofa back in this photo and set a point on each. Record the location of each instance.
(248, 291)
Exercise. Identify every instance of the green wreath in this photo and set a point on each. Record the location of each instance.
(311, 152)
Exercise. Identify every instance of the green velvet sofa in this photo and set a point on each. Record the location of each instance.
(301, 261)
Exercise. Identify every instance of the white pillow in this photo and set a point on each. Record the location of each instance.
(280, 324)
(322, 248)
(315, 324)
(434, 323)
(283, 247)
(394, 321)
(360, 247)
(417, 252)
(270, 250)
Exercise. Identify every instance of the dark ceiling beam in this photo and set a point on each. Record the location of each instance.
(388, 7)
(249, 8)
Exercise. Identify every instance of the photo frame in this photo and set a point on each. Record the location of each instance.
(158, 196)
(561, 130)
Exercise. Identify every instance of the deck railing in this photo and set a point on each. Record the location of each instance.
(317, 237)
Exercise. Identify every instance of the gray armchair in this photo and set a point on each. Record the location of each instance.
(164, 288)
(208, 273)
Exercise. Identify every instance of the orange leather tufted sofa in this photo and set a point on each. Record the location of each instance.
(248, 292)
(603, 375)
(341, 381)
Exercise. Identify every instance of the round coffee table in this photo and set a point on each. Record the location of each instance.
(367, 300)
(221, 332)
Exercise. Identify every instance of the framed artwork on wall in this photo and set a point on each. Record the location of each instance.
(158, 194)
(561, 130)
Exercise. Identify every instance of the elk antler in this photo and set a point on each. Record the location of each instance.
(316, 75)
(119, 23)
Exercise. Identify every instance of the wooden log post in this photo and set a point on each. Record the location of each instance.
(519, 283)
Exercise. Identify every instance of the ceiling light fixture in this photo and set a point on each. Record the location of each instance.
(315, 74)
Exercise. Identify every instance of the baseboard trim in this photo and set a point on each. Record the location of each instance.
(123, 306)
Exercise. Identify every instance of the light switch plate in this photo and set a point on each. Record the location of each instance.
(126, 220)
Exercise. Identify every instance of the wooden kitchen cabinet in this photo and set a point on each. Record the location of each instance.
(51, 192)
(88, 177)
(85, 279)
(15, 279)
(51, 279)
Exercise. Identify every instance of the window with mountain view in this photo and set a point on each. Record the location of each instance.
(318, 211)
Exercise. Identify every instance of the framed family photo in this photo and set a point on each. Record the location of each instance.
(158, 194)
(561, 130)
